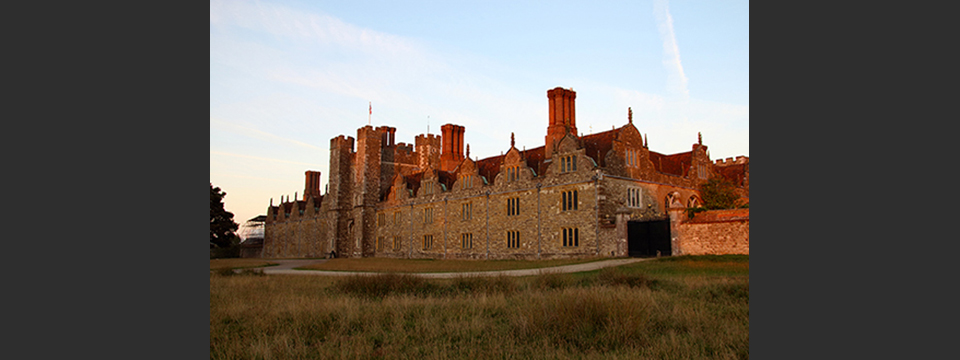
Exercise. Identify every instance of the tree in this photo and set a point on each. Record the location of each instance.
(222, 226)
(718, 193)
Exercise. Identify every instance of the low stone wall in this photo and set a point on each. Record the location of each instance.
(715, 232)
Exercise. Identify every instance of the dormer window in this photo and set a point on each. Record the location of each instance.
(513, 173)
(465, 182)
(430, 188)
(568, 163)
(632, 157)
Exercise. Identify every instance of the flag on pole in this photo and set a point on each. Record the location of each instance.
(371, 113)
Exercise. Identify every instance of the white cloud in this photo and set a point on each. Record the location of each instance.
(676, 79)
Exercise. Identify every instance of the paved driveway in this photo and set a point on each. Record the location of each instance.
(286, 267)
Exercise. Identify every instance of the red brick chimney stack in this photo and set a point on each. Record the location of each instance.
(563, 117)
(451, 151)
(311, 185)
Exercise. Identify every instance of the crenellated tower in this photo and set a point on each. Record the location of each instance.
(366, 191)
(339, 192)
(428, 151)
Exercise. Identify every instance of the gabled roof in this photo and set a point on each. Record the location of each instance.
(446, 178)
(443, 177)
(675, 164)
(413, 181)
(597, 145)
(490, 167)
(535, 159)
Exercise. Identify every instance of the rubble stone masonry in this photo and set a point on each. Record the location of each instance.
(422, 200)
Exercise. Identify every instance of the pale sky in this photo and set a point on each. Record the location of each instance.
(287, 76)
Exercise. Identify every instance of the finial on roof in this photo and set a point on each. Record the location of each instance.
(512, 141)
(699, 138)
(629, 115)
(295, 196)
(271, 202)
(468, 151)
(645, 138)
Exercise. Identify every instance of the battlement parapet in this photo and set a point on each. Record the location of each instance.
(342, 142)
(427, 139)
(730, 161)
(404, 147)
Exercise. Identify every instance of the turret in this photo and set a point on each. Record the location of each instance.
(428, 151)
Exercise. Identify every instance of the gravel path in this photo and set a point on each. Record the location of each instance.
(286, 267)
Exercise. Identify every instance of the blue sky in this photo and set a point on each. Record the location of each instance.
(287, 76)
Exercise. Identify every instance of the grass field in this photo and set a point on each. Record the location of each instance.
(431, 266)
(218, 264)
(670, 308)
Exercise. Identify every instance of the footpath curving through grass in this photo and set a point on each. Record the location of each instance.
(676, 308)
(388, 265)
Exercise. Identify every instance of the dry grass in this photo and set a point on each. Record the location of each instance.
(217, 264)
(436, 266)
(625, 313)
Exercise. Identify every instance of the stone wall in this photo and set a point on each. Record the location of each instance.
(714, 232)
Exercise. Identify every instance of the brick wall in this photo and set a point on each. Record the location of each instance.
(714, 232)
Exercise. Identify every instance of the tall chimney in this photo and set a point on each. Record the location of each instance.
(451, 151)
(311, 186)
(563, 119)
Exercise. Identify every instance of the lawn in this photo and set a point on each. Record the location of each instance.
(218, 264)
(436, 266)
(676, 308)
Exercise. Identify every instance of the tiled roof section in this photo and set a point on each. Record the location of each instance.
(490, 167)
(734, 173)
(446, 178)
(675, 164)
(534, 159)
(413, 181)
(597, 145)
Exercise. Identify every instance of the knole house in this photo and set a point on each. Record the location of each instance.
(601, 194)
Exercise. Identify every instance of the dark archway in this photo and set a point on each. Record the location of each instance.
(646, 238)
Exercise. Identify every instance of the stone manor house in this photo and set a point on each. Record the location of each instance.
(602, 194)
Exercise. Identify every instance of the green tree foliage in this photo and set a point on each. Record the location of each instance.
(222, 226)
(718, 193)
